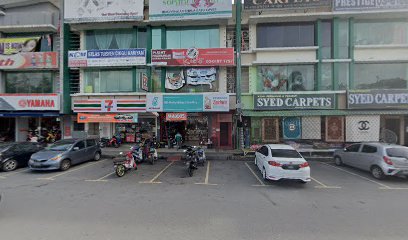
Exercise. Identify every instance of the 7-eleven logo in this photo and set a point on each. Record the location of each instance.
(109, 106)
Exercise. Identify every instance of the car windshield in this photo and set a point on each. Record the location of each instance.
(397, 152)
(4, 146)
(285, 153)
(61, 146)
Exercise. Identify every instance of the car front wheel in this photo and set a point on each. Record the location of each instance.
(65, 165)
(10, 165)
(97, 156)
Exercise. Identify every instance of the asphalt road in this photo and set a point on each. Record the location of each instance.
(224, 200)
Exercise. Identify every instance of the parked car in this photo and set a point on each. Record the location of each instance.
(381, 159)
(280, 161)
(65, 153)
(16, 154)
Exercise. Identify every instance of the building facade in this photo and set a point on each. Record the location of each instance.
(29, 69)
(325, 73)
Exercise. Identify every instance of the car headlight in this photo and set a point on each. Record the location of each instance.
(56, 158)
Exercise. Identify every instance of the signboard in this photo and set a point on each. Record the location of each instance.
(107, 118)
(294, 101)
(144, 82)
(278, 4)
(174, 79)
(103, 10)
(154, 103)
(176, 117)
(183, 103)
(109, 105)
(291, 128)
(216, 103)
(377, 99)
(107, 58)
(193, 57)
(362, 128)
(29, 60)
(10, 46)
(29, 102)
(368, 5)
(183, 10)
(201, 76)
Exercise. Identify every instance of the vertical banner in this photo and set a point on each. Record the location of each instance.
(363, 128)
(334, 129)
(311, 128)
(291, 128)
(144, 82)
(270, 130)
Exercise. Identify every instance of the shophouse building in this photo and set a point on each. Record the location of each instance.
(29, 68)
(325, 71)
(157, 67)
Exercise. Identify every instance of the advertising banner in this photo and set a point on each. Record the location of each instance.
(29, 60)
(107, 118)
(107, 58)
(274, 4)
(29, 102)
(109, 105)
(292, 128)
(294, 101)
(201, 76)
(183, 103)
(193, 9)
(378, 99)
(103, 10)
(144, 82)
(193, 57)
(176, 117)
(174, 79)
(216, 103)
(362, 128)
(334, 129)
(10, 46)
(368, 5)
(154, 103)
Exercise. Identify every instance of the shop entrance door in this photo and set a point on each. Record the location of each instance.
(393, 124)
(224, 132)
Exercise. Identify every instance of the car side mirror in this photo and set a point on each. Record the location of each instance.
(76, 148)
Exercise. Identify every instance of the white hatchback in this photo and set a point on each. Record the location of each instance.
(280, 161)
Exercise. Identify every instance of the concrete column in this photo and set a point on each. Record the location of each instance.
(222, 76)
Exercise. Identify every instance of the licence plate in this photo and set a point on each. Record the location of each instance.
(291, 167)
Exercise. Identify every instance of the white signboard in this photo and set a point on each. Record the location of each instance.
(362, 128)
(28, 102)
(216, 103)
(103, 10)
(107, 58)
(154, 103)
(182, 10)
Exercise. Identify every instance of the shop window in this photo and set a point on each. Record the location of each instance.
(141, 38)
(327, 76)
(156, 38)
(326, 29)
(343, 76)
(343, 39)
(286, 78)
(157, 79)
(178, 38)
(29, 82)
(285, 35)
(110, 39)
(381, 76)
(231, 79)
(192, 80)
(230, 38)
(79, 126)
(380, 33)
(104, 81)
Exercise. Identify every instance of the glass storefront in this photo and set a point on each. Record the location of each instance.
(380, 33)
(381, 76)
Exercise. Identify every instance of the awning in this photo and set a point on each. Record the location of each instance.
(29, 114)
(298, 113)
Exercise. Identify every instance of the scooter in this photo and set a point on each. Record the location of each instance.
(191, 160)
(114, 142)
(123, 166)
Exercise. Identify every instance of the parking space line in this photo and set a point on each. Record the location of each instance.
(262, 184)
(14, 172)
(70, 171)
(158, 175)
(383, 186)
(207, 174)
(322, 185)
(102, 179)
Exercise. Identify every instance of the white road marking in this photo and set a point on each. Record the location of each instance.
(102, 179)
(14, 172)
(207, 174)
(158, 175)
(257, 178)
(70, 171)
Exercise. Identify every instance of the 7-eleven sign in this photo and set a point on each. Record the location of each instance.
(109, 106)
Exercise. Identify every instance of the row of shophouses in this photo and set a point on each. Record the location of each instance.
(312, 72)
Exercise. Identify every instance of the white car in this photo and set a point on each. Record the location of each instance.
(280, 161)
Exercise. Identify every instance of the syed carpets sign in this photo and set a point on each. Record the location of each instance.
(294, 101)
(107, 58)
(377, 99)
(367, 5)
(284, 4)
(189, 9)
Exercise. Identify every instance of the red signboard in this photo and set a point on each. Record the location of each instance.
(193, 57)
(29, 60)
(176, 117)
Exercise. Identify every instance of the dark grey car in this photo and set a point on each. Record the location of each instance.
(381, 159)
(62, 154)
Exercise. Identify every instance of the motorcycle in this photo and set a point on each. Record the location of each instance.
(191, 160)
(123, 166)
(113, 142)
(103, 142)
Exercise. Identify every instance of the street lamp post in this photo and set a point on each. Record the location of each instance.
(238, 9)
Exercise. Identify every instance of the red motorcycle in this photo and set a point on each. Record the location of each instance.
(123, 166)
(114, 142)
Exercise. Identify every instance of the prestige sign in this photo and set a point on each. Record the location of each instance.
(193, 57)
(377, 99)
(294, 101)
(358, 5)
(280, 4)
